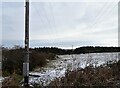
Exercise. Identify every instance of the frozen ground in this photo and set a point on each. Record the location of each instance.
(57, 68)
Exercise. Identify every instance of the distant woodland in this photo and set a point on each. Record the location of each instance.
(86, 49)
(83, 50)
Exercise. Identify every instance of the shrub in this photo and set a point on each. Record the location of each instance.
(12, 60)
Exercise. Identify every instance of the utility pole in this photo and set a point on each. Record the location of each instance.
(119, 28)
(26, 59)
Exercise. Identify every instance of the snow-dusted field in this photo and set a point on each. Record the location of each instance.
(57, 68)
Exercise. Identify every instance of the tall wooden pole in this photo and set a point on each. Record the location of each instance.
(26, 59)
(119, 28)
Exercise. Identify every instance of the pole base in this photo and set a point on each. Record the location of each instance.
(26, 81)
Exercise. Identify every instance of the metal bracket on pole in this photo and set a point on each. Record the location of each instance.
(25, 69)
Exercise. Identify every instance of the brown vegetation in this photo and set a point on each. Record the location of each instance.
(103, 76)
(12, 60)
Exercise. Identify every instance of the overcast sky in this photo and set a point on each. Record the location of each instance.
(62, 24)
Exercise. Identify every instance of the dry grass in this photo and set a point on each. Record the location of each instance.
(107, 76)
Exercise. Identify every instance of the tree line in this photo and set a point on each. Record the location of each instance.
(79, 50)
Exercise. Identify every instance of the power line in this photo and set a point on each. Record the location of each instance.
(100, 14)
(49, 22)
(53, 20)
(42, 20)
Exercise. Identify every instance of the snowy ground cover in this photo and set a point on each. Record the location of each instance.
(56, 68)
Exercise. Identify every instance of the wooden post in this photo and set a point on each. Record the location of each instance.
(26, 59)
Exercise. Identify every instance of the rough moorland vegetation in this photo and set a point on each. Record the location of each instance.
(105, 76)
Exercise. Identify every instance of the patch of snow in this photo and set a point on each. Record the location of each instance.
(58, 67)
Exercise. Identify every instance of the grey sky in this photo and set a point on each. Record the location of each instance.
(63, 23)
